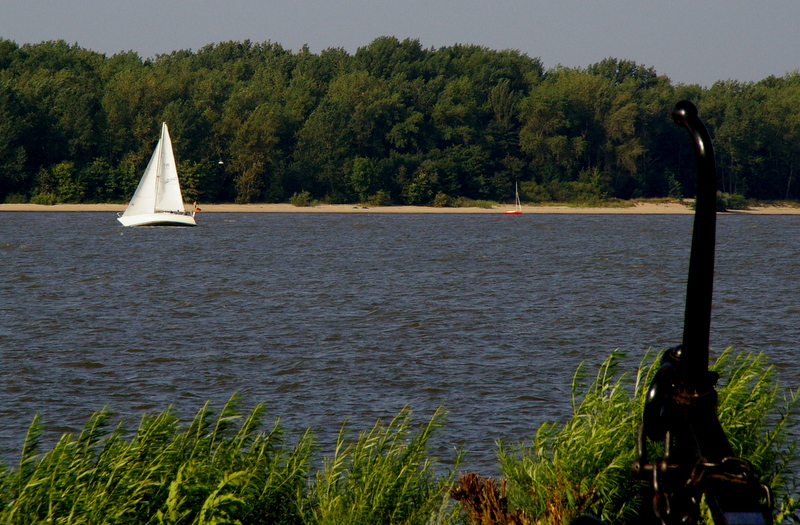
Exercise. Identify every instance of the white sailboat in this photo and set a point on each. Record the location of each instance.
(517, 206)
(157, 200)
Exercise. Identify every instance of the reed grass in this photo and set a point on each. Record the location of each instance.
(757, 416)
(222, 469)
(225, 467)
(385, 476)
(584, 465)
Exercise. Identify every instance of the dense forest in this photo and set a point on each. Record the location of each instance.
(392, 123)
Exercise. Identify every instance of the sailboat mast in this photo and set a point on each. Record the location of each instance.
(159, 166)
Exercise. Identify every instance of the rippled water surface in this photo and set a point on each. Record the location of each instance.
(334, 317)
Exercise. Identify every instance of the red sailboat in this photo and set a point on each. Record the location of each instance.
(517, 206)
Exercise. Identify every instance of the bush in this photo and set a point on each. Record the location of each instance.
(531, 192)
(45, 198)
(302, 199)
(582, 193)
(731, 201)
(675, 188)
(16, 198)
(572, 192)
(442, 200)
(465, 202)
(381, 198)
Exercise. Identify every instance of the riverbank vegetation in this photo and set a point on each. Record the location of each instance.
(224, 467)
(392, 123)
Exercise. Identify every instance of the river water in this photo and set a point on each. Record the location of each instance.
(334, 317)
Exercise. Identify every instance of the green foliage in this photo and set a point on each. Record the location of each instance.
(384, 476)
(15, 198)
(381, 198)
(364, 177)
(728, 201)
(530, 191)
(463, 202)
(302, 199)
(675, 188)
(68, 187)
(462, 120)
(574, 192)
(223, 469)
(584, 465)
(46, 198)
(442, 200)
(249, 184)
(419, 189)
(220, 469)
(757, 417)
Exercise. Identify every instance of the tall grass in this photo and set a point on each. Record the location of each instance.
(757, 417)
(220, 466)
(385, 476)
(584, 465)
(223, 467)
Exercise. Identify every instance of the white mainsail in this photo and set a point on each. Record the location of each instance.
(158, 199)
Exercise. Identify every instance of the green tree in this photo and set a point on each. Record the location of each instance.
(14, 127)
(358, 117)
(364, 178)
(777, 111)
(387, 57)
(727, 109)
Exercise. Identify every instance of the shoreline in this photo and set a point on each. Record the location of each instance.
(672, 208)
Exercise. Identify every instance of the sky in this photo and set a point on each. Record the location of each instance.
(697, 42)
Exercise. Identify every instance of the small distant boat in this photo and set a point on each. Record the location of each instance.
(157, 200)
(517, 206)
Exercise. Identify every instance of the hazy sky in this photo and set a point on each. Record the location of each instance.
(691, 42)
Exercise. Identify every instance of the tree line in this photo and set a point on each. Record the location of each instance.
(393, 122)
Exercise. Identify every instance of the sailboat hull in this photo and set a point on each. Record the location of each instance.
(158, 219)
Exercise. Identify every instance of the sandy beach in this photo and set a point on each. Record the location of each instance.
(638, 209)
